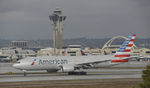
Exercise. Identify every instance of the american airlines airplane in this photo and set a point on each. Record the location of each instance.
(74, 64)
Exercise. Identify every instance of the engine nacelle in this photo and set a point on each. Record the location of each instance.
(52, 70)
(67, 68)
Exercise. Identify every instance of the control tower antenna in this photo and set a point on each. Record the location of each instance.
(57, 18)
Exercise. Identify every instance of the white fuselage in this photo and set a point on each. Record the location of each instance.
(71, 63)
(54, 62)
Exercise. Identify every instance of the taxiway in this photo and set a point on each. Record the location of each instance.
(92, 74)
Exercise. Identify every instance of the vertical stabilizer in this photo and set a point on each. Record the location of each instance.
(125, 49)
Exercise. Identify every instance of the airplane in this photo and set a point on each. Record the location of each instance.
(73, 65)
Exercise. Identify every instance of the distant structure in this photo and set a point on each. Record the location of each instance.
(109, 45)
(57, 18)
(74, 50)
(19, 44)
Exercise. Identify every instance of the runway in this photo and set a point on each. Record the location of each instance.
(128, 70)
(91, 74)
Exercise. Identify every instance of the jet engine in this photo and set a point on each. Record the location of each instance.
(67, 68)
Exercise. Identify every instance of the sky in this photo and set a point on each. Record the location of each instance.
(29, 19)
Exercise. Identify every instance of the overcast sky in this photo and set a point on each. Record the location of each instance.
(28, 19)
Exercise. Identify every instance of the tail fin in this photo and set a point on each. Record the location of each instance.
(58, 53)
(82, 53)
(125, 49)
(105, 53)
(64, 53)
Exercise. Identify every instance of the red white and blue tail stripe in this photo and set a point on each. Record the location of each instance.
(125, 49)
(123, 53)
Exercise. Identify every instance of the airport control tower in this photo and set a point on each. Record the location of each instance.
(57, 18)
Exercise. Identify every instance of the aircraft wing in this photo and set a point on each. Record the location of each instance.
(96, 62)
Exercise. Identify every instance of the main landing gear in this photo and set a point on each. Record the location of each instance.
(24, 73)
(77, 73)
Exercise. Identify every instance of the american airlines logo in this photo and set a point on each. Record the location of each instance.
(33, 62)
(55, 61)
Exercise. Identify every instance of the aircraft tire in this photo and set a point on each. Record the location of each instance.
(77, 73)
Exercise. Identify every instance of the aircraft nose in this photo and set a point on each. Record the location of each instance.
(15, 65)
